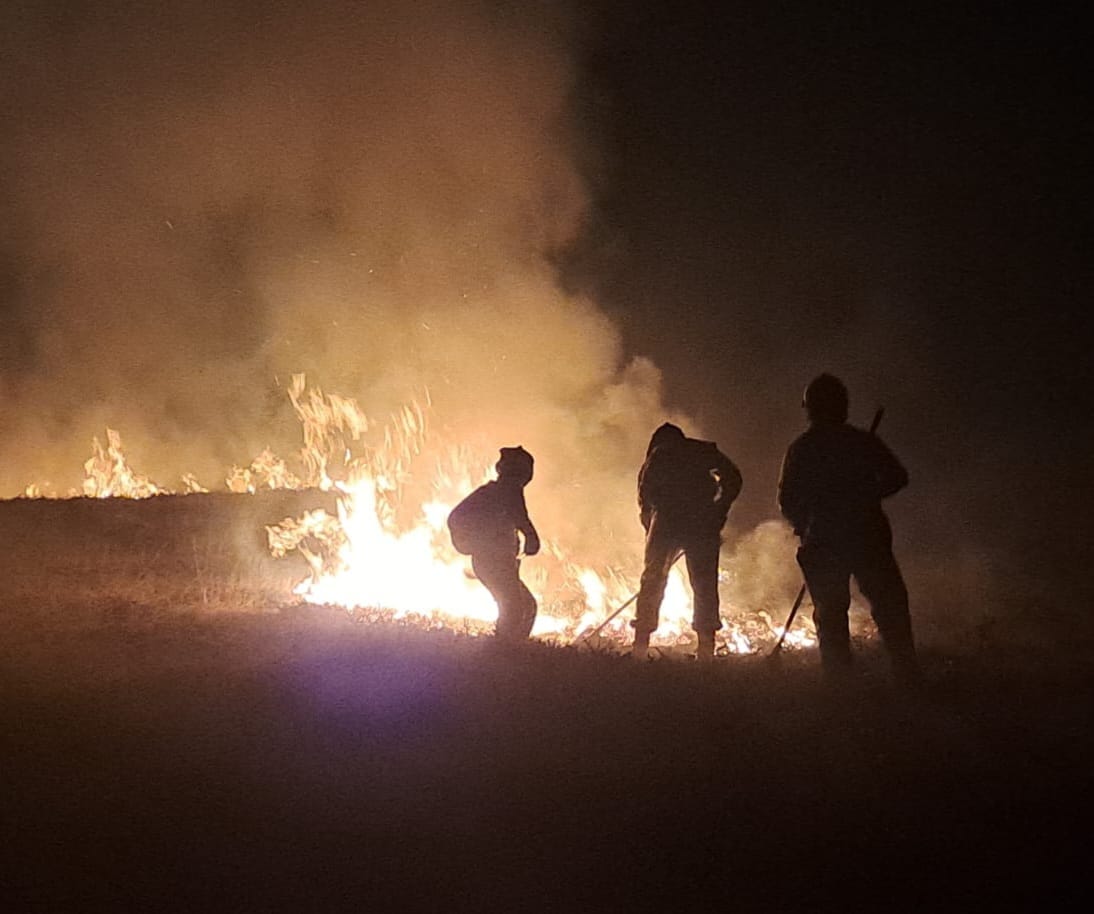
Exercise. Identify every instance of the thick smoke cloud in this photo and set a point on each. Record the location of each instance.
(208, 199)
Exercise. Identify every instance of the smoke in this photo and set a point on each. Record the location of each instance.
(209, 198)
(203, 199)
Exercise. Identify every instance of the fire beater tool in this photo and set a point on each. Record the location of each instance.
(801, 593)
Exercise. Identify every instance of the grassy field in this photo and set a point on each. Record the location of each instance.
(177, 735)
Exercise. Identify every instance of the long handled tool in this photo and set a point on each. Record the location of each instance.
(789, 621)
(801, 593)
(596, 631)
(634, 596)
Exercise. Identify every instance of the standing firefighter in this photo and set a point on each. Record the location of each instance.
(485, 526)
(833, 479)
(685, 488)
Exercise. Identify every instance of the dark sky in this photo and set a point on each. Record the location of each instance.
(202, 199)
(900, 197)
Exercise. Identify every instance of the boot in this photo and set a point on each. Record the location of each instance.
(641, 648)
(704, 653)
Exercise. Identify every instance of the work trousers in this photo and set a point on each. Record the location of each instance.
(828, 573)
(500, 574)
(701, 552)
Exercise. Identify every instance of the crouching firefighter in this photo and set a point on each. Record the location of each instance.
(833, 479)
(485, 526)
(685, 489)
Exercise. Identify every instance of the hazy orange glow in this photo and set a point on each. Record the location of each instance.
(386, 549)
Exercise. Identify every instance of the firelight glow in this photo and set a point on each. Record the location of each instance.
(382, 552)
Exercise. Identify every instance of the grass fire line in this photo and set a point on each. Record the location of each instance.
(374, 541)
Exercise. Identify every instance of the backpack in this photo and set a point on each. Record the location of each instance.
(465, 523)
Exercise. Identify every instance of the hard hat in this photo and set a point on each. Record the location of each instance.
(825, 398)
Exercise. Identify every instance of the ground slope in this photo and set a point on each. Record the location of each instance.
(198, 758)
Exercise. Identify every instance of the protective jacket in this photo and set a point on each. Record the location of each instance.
(689, 484)
(833, 479)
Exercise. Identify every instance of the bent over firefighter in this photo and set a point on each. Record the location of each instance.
(685, 489)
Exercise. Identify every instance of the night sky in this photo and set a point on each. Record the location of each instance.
(902, 198)
(769, 191)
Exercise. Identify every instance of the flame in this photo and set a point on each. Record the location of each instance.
(386, 551)
(267, 471)
(381, 553)
(107, 473)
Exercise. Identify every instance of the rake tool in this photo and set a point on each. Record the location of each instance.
(801, 593)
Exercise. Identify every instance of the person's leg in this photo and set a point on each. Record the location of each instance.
(828, 579)
(500, 575)
(701, 556)
(881, 583)
(525, 608)
(660, 552)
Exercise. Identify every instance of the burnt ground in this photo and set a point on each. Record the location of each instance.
(175, 736)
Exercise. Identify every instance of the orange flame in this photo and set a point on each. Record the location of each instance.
(389, 551)
(107, 474)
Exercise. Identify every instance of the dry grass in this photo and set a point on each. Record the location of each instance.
(178, 736)
(82, 561)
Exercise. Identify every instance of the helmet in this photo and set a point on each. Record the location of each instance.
(665, 434)
(825, 399)
(515, 463)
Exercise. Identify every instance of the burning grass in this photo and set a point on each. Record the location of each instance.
(356, 519)
(378, 545)
(80, 562)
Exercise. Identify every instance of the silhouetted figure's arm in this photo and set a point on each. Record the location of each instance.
(651, 484)
(890, 476)
(729, 480)
(794, 501)
(526, 528)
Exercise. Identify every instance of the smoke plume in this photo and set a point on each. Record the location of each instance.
(209, 198)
